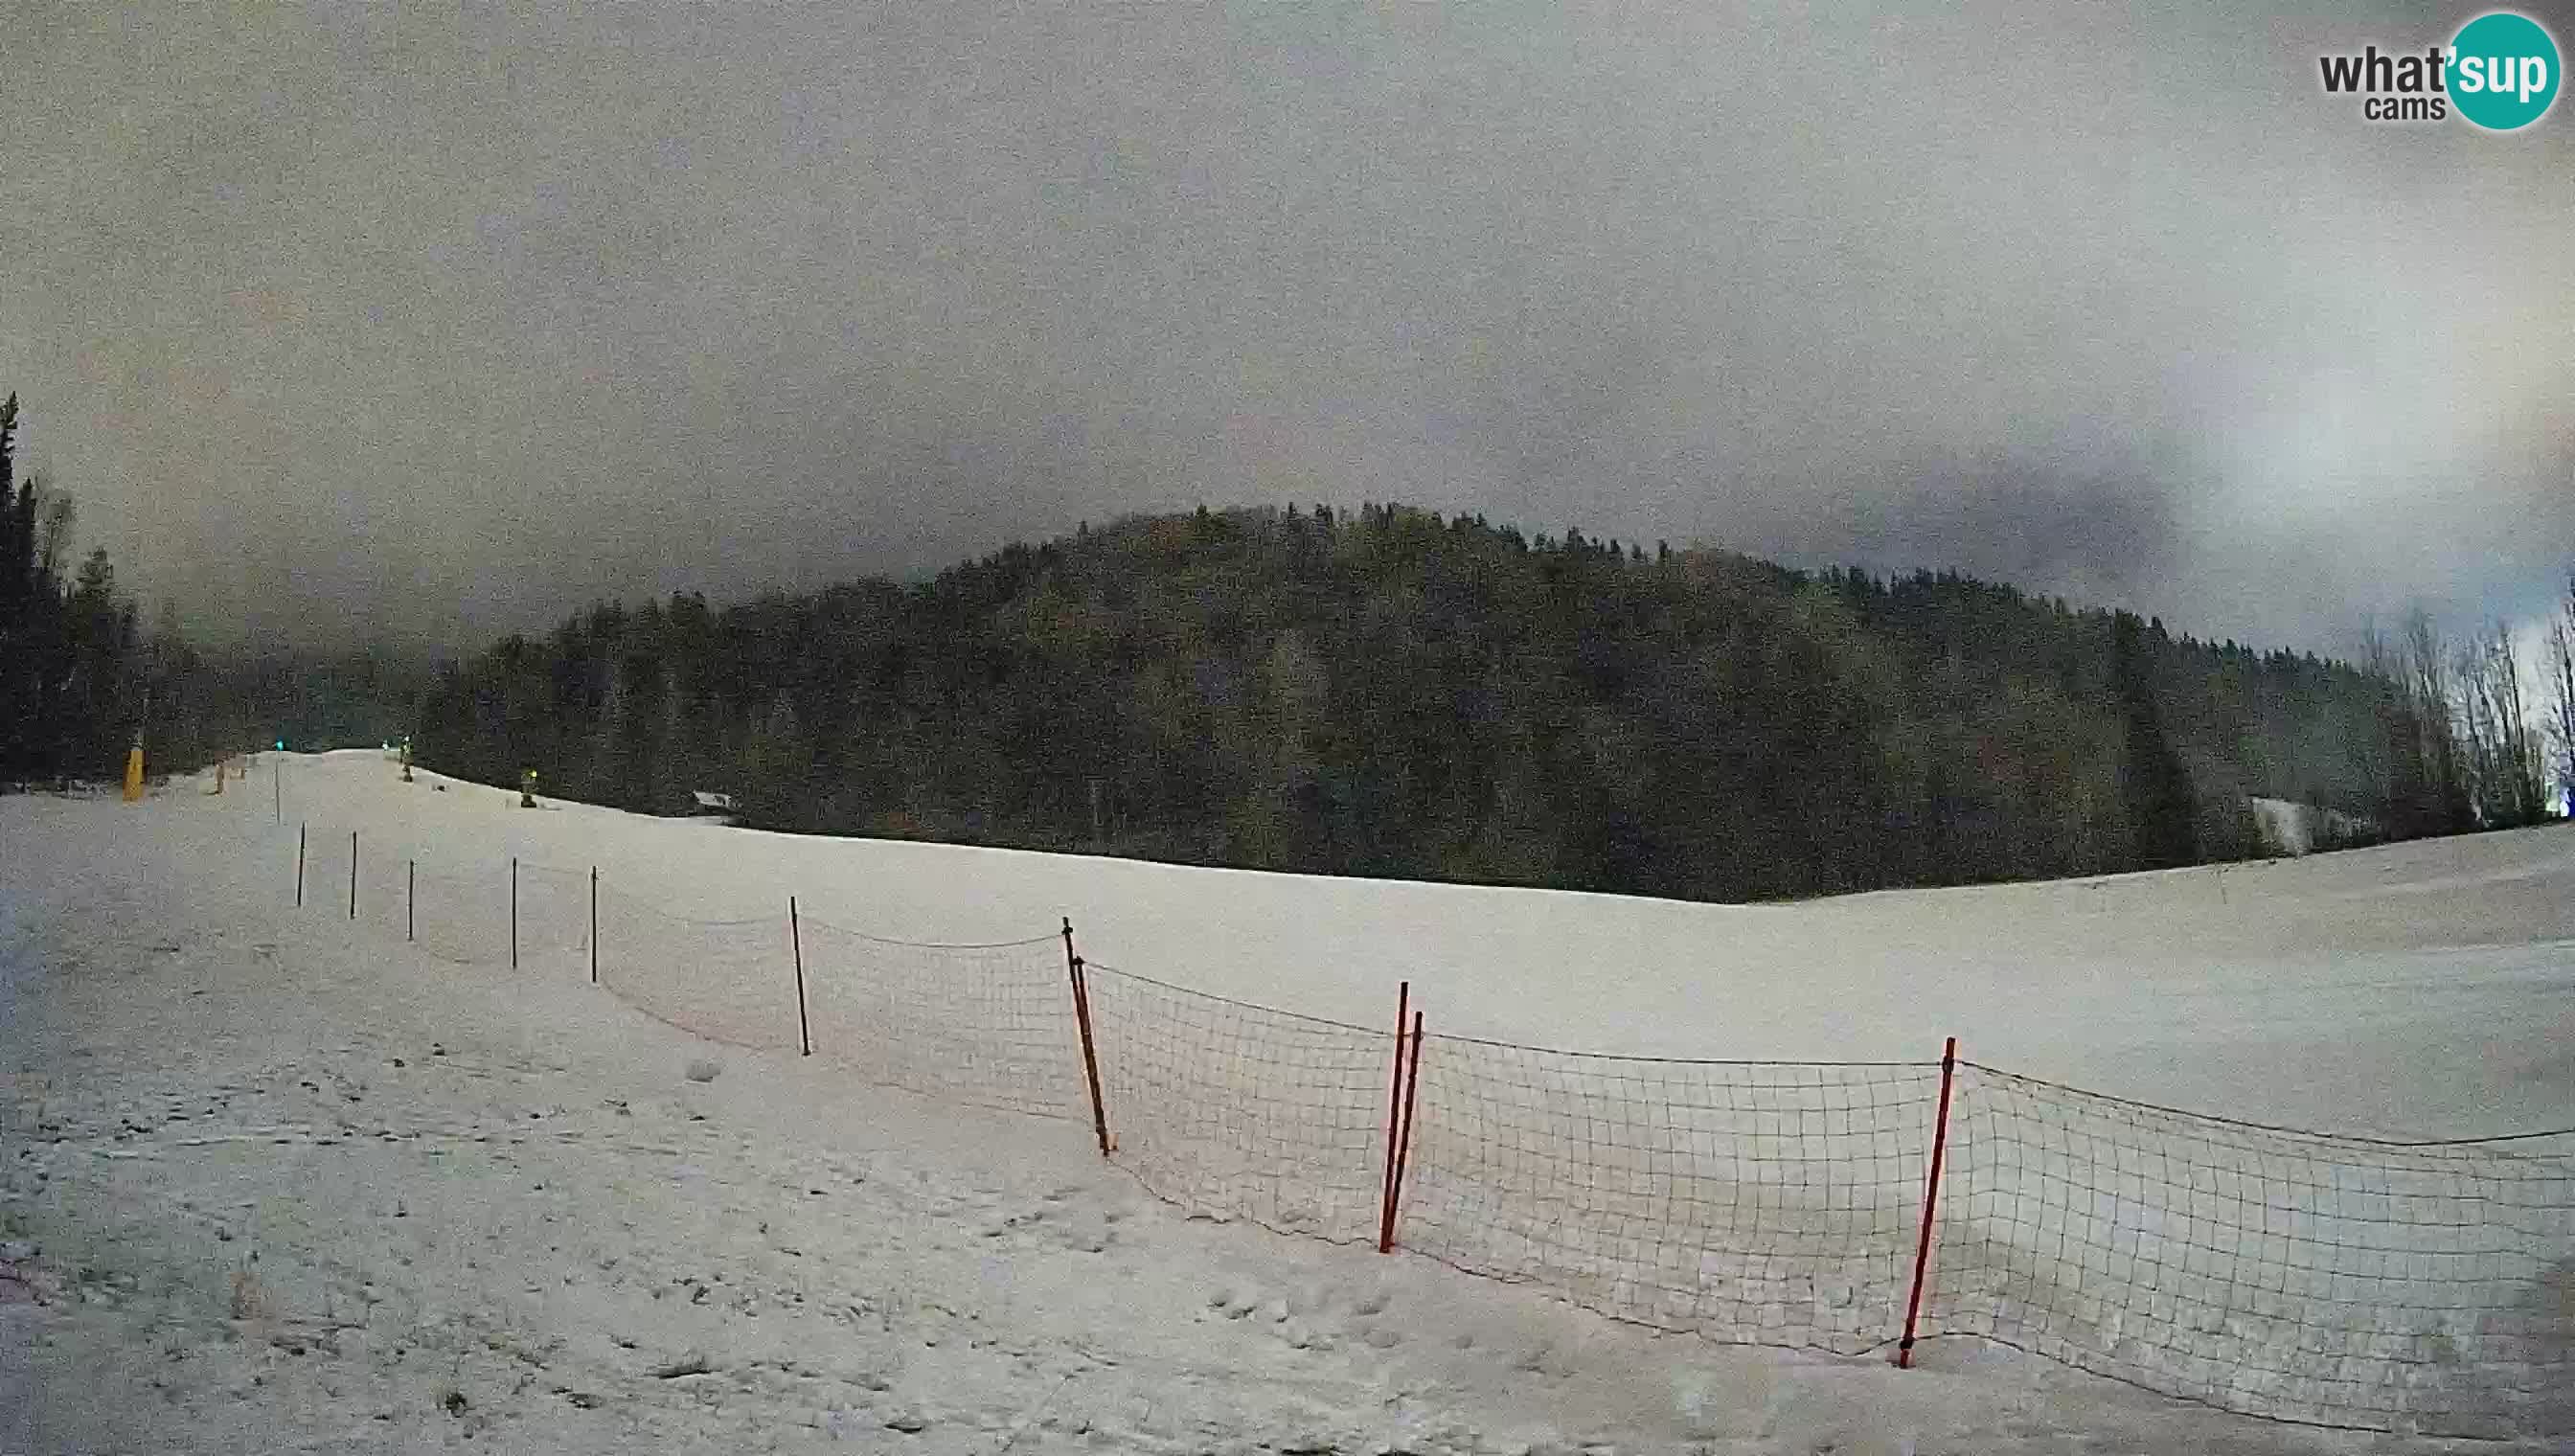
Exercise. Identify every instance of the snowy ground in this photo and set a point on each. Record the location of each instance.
(271, 1183)
(2419, 988)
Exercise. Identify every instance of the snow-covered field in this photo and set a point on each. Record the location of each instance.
(291, 1184)
(2418, 988)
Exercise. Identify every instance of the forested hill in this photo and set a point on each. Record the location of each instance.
(1392, 694)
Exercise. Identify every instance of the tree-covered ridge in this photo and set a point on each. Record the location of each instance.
(1393, 693)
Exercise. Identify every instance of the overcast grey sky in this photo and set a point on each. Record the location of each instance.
(341, 320)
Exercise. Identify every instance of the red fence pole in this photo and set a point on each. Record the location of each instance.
(514, 913)
(299, 867)
(1404, 1144)
(594, 925)
(796, 939)
(1393, 1124)
(1082, 1016)
(1930, 1200)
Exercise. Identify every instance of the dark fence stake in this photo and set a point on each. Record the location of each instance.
(1082, 1018)
(353, 874)
(410, 894)
(1930, 1200)
(514, 913)
(594, 925)
(796, 939)
(1404, 1146)
(1393, 1124)
(299, 867)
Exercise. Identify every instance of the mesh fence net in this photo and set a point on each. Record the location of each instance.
(1764, 1202)
(1240, 1112)
(478, 914)
(2331, 1280)
(726, 980)
(2340, 1281)
(324, 868)
(386, 892)
(989, 1025)
(552, 916)
(463, 918)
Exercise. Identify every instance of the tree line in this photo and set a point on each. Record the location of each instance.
(81, 678)
(1382, 693)
(75, 670)
(1391, 692)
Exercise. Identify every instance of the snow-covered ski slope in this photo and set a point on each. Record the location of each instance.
(2414, 991)
(2335, 1282)
(2417, 989)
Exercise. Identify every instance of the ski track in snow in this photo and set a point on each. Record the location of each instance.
(272, 1184)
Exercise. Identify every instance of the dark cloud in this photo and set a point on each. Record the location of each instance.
(348, 321)
(2091, 537)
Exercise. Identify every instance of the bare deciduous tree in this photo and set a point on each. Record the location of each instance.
(2561, 674)
(2506, 771)
(2429, 690)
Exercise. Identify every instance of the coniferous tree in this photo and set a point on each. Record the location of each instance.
(70, 672)
(19, 662)
(100, 634)
(2155, 786)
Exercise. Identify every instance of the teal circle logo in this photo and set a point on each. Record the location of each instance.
(2502, 71)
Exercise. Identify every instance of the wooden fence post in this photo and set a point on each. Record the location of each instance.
(1082, 1018)
(796, 939)
(1930, 1202)
(1393, 1124)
